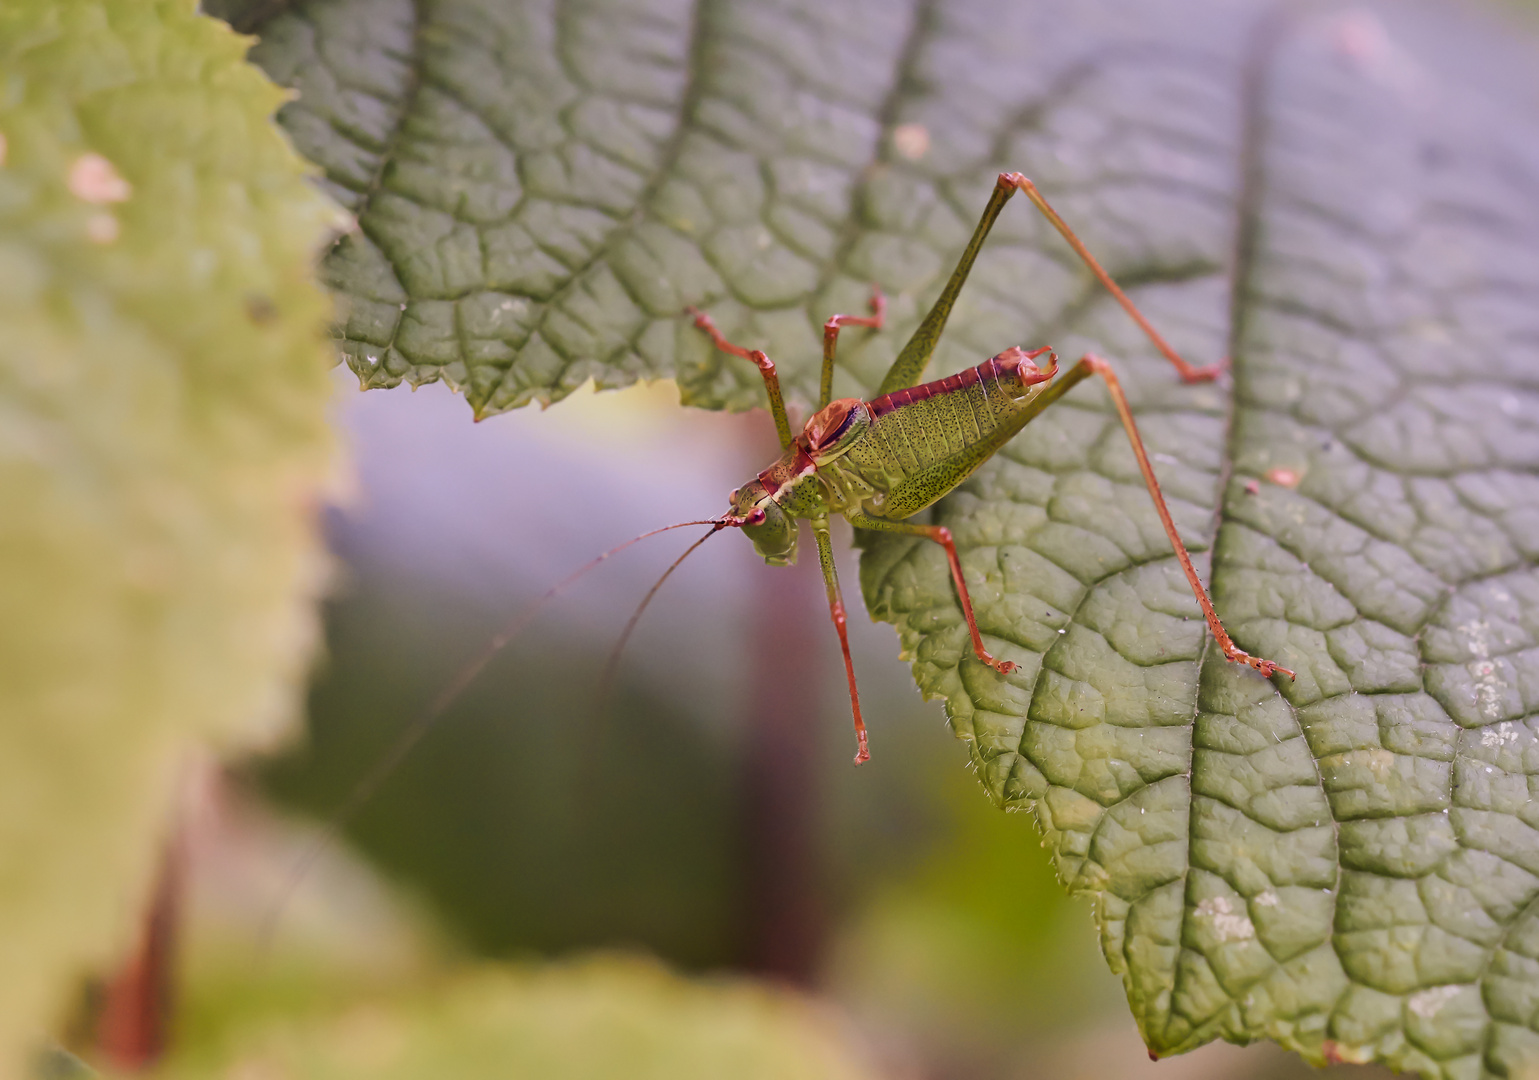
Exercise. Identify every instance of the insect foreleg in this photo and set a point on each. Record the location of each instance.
(1189, 372)
(831, 339)
(942, 536)
(1093, 364)
(836, 611)
(766, 367)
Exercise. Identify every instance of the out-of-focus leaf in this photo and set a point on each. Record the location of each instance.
(1345, 201)
(605, 1017)
(162, 442)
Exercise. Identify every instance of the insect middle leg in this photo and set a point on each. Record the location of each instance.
(836, 611)
(942, 536)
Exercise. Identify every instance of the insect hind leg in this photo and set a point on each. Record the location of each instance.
(1091, 364)
(1189, 372)
(908, 369)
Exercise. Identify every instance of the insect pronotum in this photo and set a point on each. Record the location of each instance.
(882, 461)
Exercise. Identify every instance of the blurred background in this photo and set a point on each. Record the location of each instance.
(704, 814)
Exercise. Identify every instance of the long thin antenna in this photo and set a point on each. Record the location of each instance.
(364, 790)
(625, 635)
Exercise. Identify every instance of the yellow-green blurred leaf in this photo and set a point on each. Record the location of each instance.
(162, 443)
(592, 1020)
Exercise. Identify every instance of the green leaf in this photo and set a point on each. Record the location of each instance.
(601, 1017)
(1342, 201)
(163, 443)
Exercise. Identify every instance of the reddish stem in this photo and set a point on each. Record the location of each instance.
(133, 1026)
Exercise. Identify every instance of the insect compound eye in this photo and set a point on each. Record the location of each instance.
(756, 517)
(844, 426)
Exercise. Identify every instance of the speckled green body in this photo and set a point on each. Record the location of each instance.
(924, 441)
(889, 458)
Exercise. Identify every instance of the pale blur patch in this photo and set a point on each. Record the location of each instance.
(912, 141)
(246, 908)
(94, 179)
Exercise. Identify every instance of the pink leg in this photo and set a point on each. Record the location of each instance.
(1189, 373)
(942, 536)
(766, 368)
(836, 611)
(831, 338)
(1232, 652)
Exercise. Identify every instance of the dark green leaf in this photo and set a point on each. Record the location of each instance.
(1347, 201)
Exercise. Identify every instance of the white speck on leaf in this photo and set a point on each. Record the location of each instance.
(93, 179)
(1500, 735)
(1429, 1003)
(1267, 899)
(1488, 684)
(1479, 633)
(1226, 924)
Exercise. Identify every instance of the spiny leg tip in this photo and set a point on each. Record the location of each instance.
(862, 756)
(1264, 667)
(1268, 668)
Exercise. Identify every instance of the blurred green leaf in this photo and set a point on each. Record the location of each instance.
(598, 1018)
(1342, 201)
(162, 445)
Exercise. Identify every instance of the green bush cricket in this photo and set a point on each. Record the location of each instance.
(876, 463)
(882, 461)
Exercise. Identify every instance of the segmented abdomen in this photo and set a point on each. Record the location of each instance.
(922, 425)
